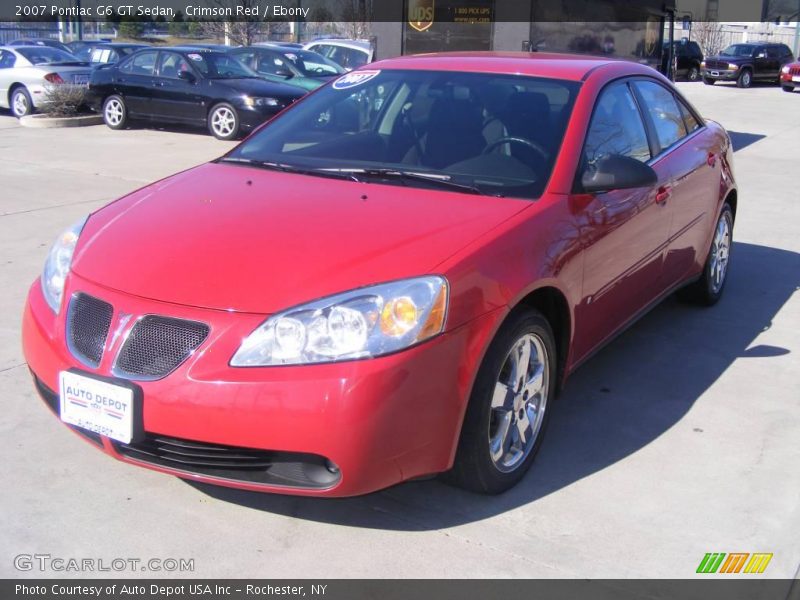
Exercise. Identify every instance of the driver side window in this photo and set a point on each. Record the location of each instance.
(616, 127)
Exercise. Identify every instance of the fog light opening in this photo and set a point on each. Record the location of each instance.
(332, 467)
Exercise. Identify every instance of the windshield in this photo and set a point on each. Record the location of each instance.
(215, 65)
(44, 55)
(738, 50)
(495, 134)
(311, 64)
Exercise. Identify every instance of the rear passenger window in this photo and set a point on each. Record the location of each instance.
(142, 64)
(688, 118)
(661, 107)
(616, 127)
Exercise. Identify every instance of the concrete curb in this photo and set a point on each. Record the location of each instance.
(45, 122)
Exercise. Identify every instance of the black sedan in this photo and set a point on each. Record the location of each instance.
(187, 85)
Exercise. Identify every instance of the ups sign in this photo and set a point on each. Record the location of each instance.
(420, 14)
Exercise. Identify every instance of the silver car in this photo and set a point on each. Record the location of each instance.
(26, 70)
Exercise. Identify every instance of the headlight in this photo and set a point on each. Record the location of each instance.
(785, 69)
(367, 322)
(733, 67)
(58, 263)
(702, 64)
(251, 101)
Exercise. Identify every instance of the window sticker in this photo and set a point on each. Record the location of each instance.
(354, 78)
(196, 57)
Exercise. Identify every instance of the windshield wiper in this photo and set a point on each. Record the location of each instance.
(276, 166)
(444, 181)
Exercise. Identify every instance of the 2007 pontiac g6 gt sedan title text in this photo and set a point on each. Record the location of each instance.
(391, 279)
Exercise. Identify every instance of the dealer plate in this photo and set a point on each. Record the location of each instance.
(97, 406)
(796, 78)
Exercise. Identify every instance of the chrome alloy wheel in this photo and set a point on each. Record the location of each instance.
(20, 105)
(720, 251)
(114, 112)
(223, 121)
(518, 403)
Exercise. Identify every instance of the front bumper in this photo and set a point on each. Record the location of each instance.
(790, 79)
(252, 117)
(720, 74)
(380, 421)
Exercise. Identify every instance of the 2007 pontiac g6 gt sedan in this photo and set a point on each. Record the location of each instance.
(389, 280)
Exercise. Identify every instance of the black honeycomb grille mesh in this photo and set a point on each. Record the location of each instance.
(87, 327)
(157, 345)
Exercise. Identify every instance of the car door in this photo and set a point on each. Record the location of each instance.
(625, 231)
(176, 98)
(134, 82)
(7, 61)
(684, 150)
(761, 64)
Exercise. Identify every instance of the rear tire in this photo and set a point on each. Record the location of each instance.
(509, 408)
(707, 290)
(115, 113)
(223, 122)
(708, 81)
(21, 103)
(745, 79)
(693, 74)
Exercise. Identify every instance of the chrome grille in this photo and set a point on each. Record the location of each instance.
(88, 320)
(157, 345)
(716, 64)
(794, 70)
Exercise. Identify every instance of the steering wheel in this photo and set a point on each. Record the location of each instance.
(518, 140)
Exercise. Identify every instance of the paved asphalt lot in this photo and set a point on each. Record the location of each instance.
(678, 439)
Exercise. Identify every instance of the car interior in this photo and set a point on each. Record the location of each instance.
(499, 131)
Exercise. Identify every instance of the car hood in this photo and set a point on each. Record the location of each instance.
(260, 87)
(238, 238)
(730, 59)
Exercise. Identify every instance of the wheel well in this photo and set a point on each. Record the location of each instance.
(11, 89)
(731, 199)
(553, 305)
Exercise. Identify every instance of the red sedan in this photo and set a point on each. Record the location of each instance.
(391, 279)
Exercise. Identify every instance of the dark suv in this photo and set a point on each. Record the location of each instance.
(688, 57)
(747, 62)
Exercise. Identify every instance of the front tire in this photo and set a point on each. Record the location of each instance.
(709, 81)
(509, 408)
(115, 113)
(21, 103)
(707, 290)
(745, 79)
(223, 122)
(787, 88)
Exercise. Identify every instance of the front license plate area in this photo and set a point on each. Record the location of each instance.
(106, 406)
(715, 73)
(796, 78)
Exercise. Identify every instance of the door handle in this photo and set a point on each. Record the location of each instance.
(663, 193)
(711, 159)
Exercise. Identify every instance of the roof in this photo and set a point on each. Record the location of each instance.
(557, 66)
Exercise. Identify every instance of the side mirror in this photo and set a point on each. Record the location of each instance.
(186, 76)
(761, 55)
(617, 172)
(286, 73)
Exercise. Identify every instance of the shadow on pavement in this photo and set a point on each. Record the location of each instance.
(741, 140)
(627, 396)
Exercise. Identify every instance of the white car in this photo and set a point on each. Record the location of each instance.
(349, 54)
(26, 70)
